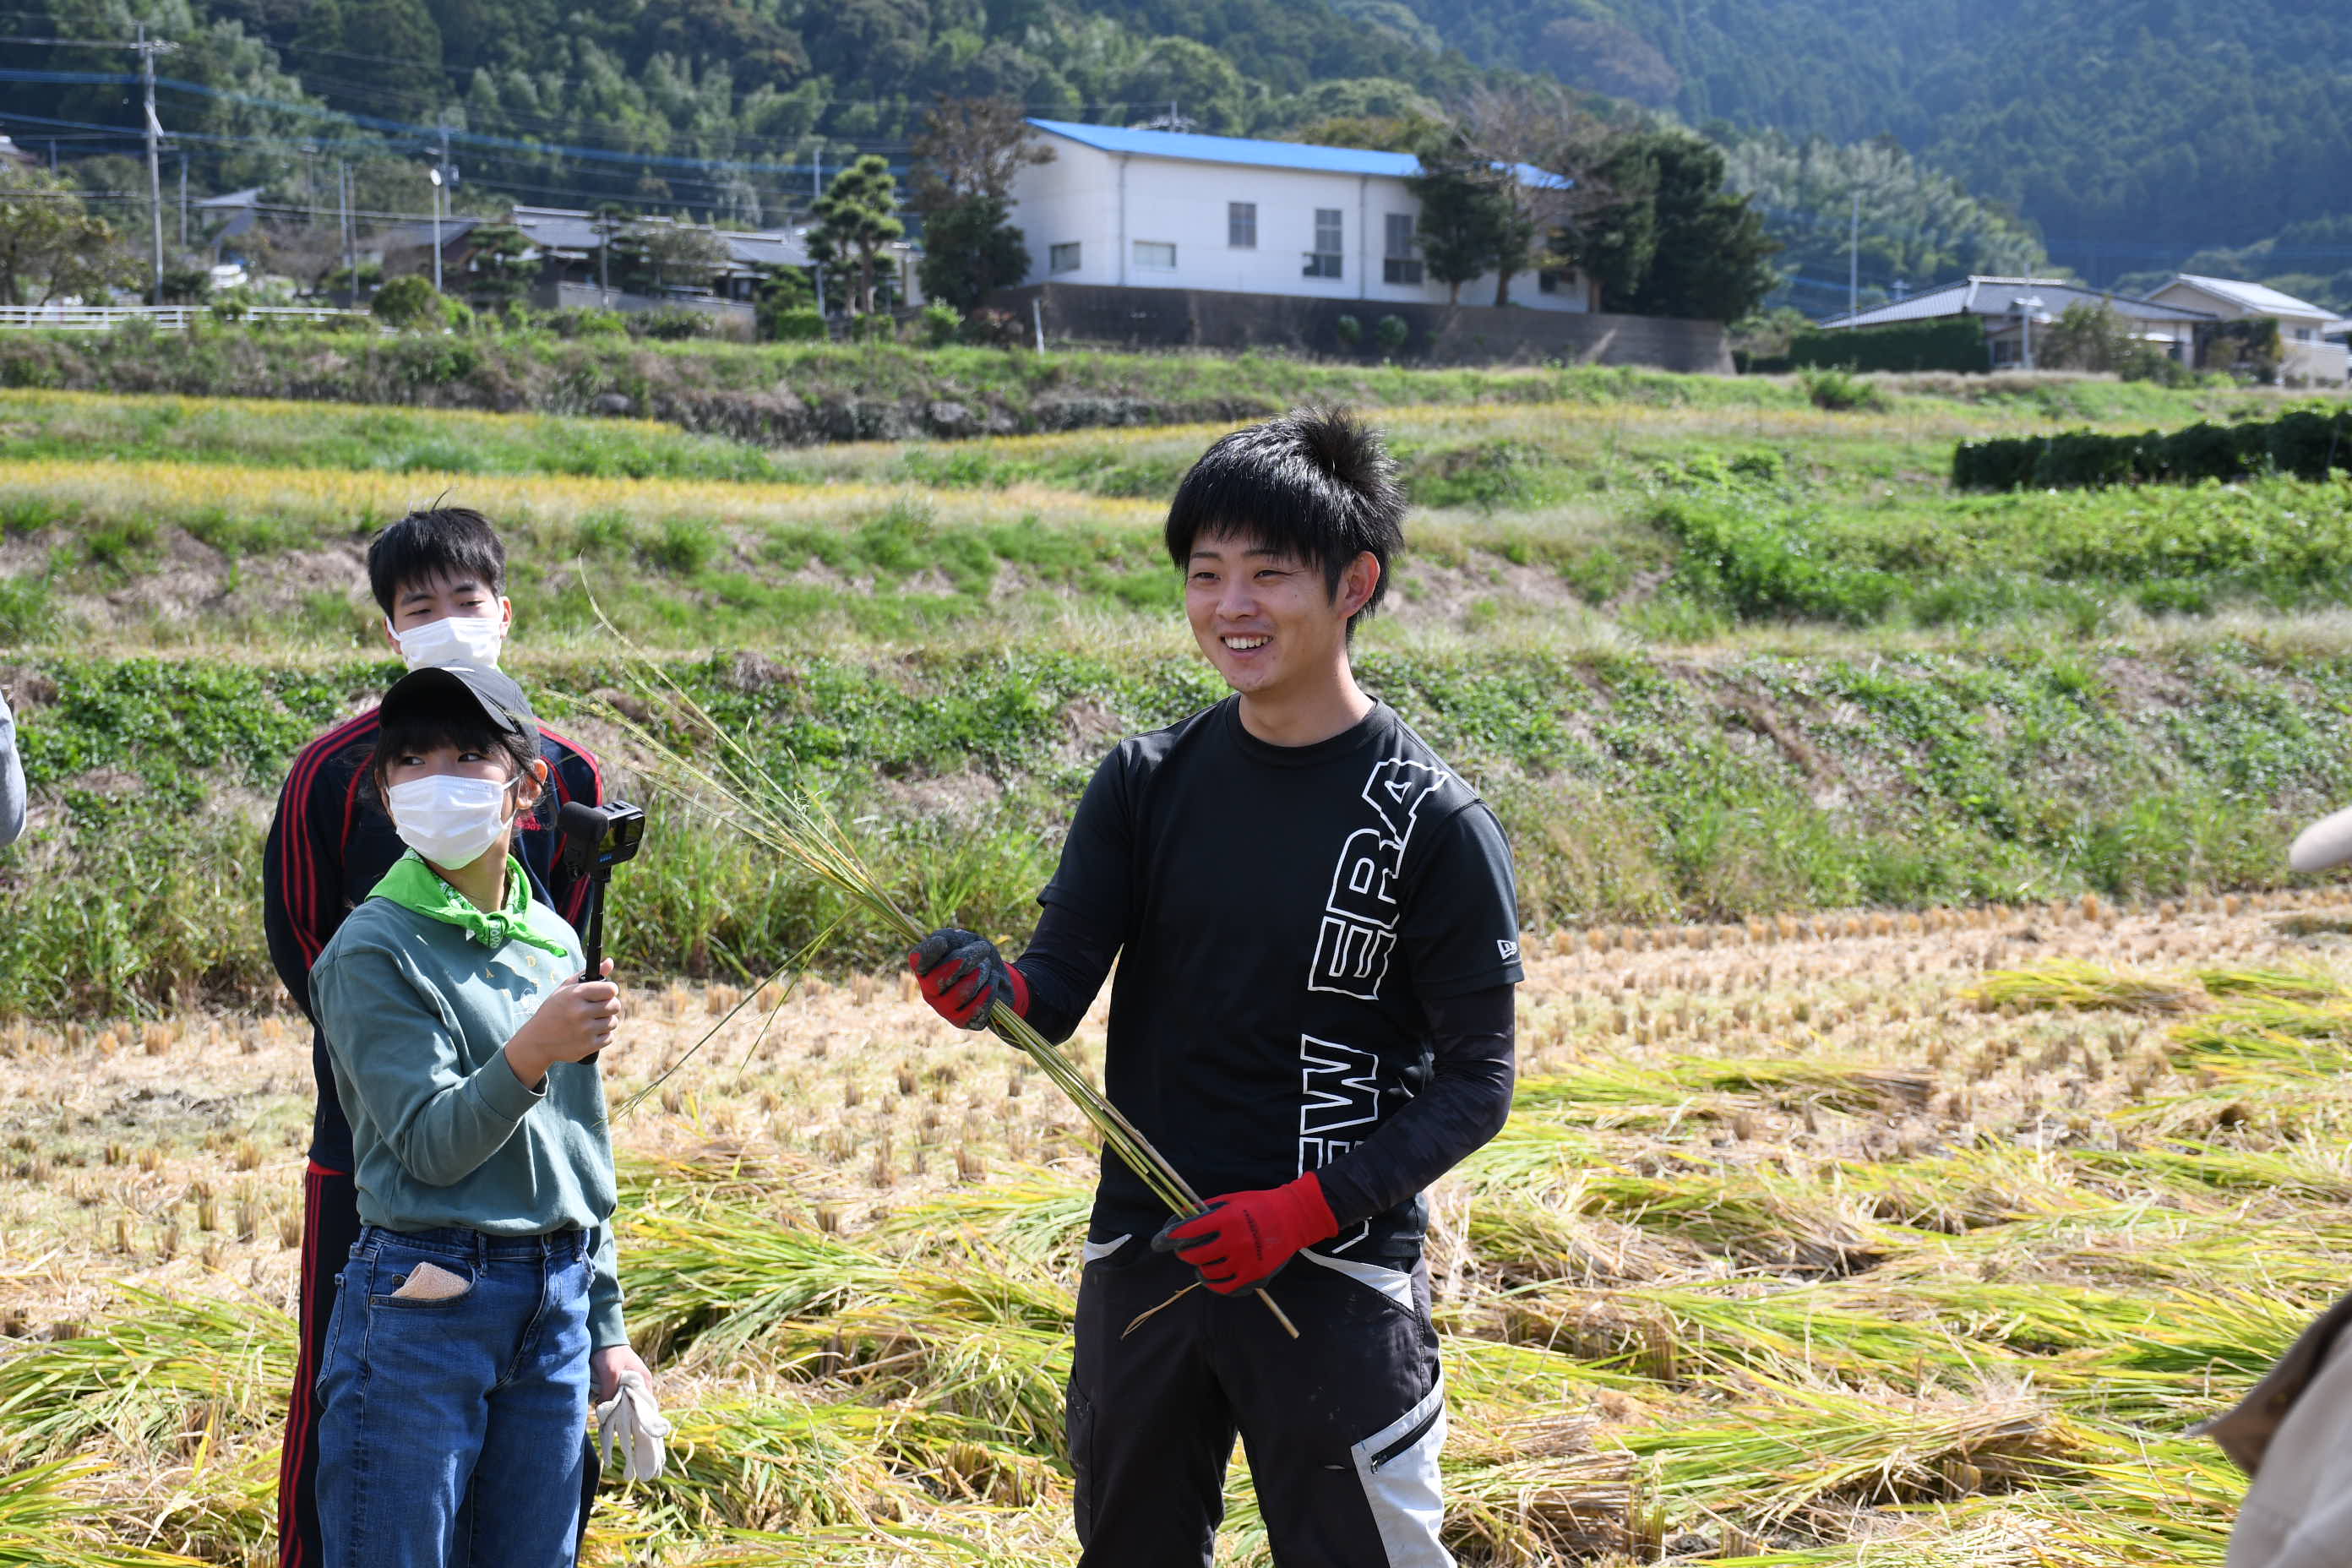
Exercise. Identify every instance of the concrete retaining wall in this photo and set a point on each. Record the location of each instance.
(1437, 335)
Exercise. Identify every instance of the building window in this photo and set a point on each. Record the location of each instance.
(1547, 281)
(1397, 263)
(1063, 258)
(1241, 225)
(2304, 334)
(1155, 256)
(1323, 261)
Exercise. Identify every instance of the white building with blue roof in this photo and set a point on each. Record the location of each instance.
(1163, 209)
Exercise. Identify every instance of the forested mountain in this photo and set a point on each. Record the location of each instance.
(2132, 133)
(2126, 134)
(715, 104)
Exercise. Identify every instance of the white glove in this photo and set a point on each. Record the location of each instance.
(634, 1421)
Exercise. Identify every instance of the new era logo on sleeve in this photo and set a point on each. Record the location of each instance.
(1509, 950)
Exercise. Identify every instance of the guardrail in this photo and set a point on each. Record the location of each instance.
(166, 318)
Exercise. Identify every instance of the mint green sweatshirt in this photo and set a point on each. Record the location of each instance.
(416, 1014)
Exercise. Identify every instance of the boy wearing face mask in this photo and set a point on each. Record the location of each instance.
(440, 577)
(483, 1296)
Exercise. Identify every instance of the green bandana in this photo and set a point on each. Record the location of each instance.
(414, 887)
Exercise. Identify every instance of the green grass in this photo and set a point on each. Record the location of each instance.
(1662, 524)
(1633, 788)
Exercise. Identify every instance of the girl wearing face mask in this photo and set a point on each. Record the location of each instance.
(482, 1306)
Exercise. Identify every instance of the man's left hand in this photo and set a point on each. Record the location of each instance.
(605, 1367)
(1246, 1237)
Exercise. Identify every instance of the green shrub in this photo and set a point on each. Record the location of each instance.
(793, 325)
(674, 323)
(28, 612)
(1390, 332)
(408, 303)
(940, 323)
(1841, 391)
(459, 314)
(591, 323)
(991, 327)
(1350, 330)
(2305, 443)
(1952, 343)
(878, 327)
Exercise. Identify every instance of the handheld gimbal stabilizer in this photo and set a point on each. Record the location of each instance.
(596, 838)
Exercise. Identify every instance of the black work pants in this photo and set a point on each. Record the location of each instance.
(1341, 1426)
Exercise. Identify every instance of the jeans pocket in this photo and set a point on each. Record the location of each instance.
(409, 1279)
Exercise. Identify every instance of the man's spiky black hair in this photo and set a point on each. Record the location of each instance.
(1316, 485)
(434, 545)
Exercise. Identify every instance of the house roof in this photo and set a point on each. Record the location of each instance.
(251, 196)
(419, 235)
(1243, 150)
(1987, 296)
(563, 231)
(2252, 298)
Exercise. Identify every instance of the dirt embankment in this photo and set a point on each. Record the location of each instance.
(776, 395)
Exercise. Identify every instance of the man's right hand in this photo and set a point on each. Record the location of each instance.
(962, 976)
(576, 1021)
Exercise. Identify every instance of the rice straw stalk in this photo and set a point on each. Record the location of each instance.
(730, 786)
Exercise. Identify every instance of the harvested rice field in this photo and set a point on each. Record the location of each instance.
(1870, 1238)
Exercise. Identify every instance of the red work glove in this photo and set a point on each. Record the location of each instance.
(962, 974)
(1246, 1237)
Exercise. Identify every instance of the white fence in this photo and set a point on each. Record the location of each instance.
(167, 318)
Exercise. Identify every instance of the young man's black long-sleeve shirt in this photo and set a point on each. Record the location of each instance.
(1315, 949)
(330, 843)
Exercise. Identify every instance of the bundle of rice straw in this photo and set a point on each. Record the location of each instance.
(727, 783)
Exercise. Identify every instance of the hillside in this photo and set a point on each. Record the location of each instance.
(2133, 132)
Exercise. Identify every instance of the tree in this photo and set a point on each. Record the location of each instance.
(305, 252)
(655, 253)
(1199, 83)
(1608, 56)
(1713, 260)
(498, 271)
(971, 249)
(1466, 218)
(409, 302)
(971, 147)
(966, 159)
(50, 246)
(398, 37)
(1614, 244)
(1671, 240)
(855, 219)
(1917, 224)
(1531, 138)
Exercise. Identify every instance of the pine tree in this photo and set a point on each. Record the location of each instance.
(855, 219)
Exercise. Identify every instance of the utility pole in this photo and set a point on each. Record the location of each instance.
(147, 53)
(440, 189)
(350, 232)
(1854, 261)
(184, 201)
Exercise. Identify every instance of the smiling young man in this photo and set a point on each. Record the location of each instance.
(440, 577)
(1316, 938)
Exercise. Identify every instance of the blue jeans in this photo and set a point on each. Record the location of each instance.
(417, 1397)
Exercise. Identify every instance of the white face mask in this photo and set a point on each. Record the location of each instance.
(451, 821)
(471, 641)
